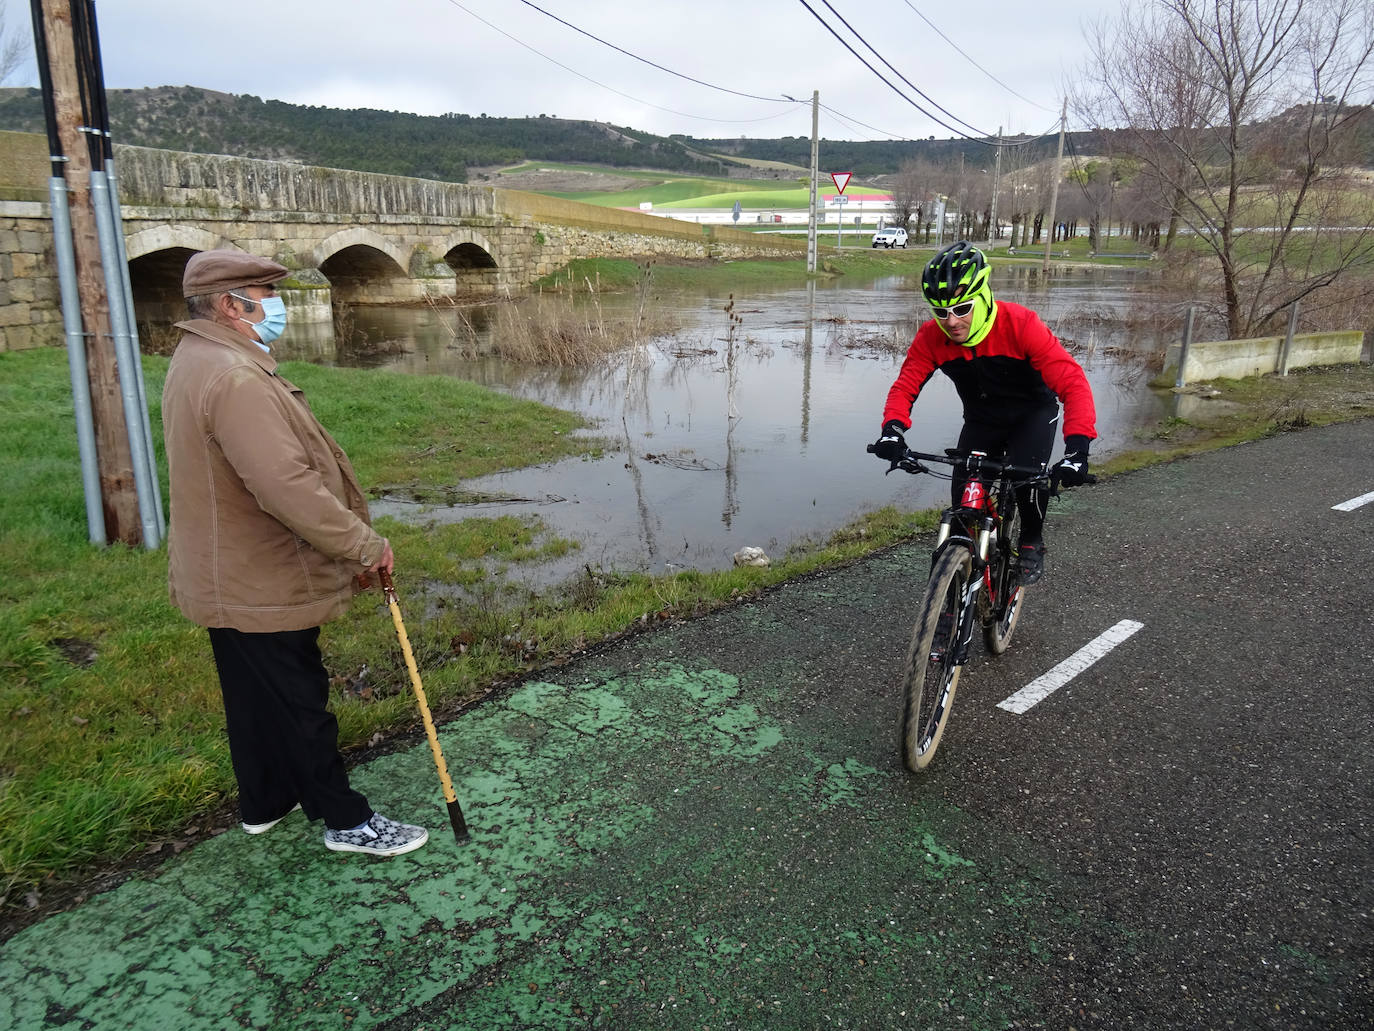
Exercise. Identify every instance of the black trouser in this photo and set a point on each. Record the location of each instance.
(1026, 439)
(283, 741)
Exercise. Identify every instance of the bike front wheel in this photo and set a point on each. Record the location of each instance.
(932, 670)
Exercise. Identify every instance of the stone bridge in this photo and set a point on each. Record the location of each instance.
(348, 237)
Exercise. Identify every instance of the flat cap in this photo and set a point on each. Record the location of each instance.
(218, 271)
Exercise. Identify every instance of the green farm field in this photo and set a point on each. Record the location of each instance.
(670, 191)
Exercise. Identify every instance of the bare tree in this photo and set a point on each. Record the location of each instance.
(911, 192)
(1236, 110)
(1021, 194)
(14, 46)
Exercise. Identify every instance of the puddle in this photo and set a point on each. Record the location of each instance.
(763, 450)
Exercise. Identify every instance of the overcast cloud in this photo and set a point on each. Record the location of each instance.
(484, 56)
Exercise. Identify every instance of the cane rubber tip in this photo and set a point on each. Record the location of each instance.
(460, 826)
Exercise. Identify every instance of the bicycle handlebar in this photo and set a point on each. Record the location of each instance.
(976, 464)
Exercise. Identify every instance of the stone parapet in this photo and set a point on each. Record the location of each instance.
(348, 237)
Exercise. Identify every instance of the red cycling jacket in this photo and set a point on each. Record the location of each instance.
(1020, 365)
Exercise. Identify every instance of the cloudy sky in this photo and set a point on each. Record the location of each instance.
(970, 67)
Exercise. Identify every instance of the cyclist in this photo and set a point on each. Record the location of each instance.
(1010, 372)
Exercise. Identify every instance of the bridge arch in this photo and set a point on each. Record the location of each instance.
(157, 258)
(363, 266)
(473, 260)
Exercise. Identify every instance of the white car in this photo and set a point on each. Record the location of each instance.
(892, 236)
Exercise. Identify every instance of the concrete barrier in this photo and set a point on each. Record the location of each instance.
(1258, 356)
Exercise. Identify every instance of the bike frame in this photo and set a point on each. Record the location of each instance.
(981, 506)
(975, 584)
(988, 490)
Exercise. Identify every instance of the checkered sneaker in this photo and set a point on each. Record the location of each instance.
(378, 837)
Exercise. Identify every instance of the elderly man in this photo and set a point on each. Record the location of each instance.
(268, 537)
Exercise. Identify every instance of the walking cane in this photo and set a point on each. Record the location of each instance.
(455, 812)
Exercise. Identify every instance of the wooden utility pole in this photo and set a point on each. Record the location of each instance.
(119, 498)
(1054, 188)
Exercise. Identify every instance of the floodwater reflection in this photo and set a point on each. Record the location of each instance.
(748, 427)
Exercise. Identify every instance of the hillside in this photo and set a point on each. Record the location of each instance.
(447, 147)
(428, 147)
(452, 147)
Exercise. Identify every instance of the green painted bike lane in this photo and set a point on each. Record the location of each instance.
(706, 826)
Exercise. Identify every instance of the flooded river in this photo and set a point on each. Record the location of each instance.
(766, 449)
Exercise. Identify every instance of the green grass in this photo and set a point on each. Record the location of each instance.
(111, 731)
(667, 191)
(98, 756)
(624, 273)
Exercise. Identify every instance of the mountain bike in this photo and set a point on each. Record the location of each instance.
(975, 582)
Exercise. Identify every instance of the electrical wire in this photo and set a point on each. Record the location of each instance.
(971, 61)
(1081, 172)
(925, 96)
(781, 98)
(645, 60)
(602, 85)
(852, 122)
(937, 120)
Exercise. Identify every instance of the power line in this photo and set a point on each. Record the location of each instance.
(612, 89)
(1080, 175)
(851, 122)
(782, 98)
(971, 61)
(880, 57)
(860, 57)
(645, 60)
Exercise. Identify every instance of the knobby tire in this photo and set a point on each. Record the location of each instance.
(931, 675)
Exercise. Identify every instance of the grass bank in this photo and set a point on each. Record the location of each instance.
(112, 742)
(594, 274)
(112, 739)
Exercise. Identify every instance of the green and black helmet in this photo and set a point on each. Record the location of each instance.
(957, 274)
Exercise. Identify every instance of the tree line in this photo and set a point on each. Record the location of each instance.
(439, 147)
(445, 147)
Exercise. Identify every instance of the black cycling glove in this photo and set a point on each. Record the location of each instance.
(1072, 469)
(891, 446)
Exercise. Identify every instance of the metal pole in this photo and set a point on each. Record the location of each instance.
(993, 234)
(1288, 339)
(127, 297)
(815, 171)
(1181, 380)
(1054, 187)
(83, 11)
(125, 359)
(76, 357)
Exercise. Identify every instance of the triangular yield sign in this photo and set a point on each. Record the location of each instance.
(841, 179)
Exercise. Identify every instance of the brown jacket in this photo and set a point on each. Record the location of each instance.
(268, 524)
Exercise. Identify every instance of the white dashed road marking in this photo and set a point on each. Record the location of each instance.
(1042, 687)
(1354, 503)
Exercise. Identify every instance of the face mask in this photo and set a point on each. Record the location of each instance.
(273, 320)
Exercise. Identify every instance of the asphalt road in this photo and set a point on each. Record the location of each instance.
(708, 825)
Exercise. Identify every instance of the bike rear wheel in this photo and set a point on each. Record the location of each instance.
(1008, 594)
(931, 674)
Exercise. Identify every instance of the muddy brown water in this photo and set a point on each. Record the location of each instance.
(756, 436)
